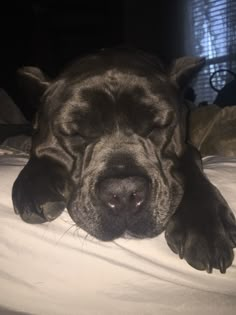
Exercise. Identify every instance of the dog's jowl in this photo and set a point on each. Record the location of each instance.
(110, 146)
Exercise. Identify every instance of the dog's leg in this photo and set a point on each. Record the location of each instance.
(38, 192)
(203, 229)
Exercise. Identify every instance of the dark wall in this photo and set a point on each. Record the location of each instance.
(156, 26)
(50, 33)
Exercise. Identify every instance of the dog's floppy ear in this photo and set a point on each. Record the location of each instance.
(184, 69)
(33, 80)
(32, 83)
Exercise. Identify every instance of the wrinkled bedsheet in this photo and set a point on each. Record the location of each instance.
(57, 269)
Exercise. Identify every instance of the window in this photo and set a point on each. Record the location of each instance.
(212, 34)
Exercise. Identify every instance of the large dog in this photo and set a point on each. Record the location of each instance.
(110, 146)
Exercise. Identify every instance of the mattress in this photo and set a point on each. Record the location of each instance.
(57, 269)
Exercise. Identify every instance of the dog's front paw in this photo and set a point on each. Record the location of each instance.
(204, 244)
(35, 199)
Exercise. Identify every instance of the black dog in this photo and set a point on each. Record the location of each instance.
(110, 146)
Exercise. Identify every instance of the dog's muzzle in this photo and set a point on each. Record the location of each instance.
(119, 201)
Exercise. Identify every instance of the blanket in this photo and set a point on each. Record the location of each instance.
(57, 269)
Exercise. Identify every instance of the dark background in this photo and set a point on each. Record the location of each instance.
(48, 34)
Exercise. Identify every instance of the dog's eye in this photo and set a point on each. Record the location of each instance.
(78, 134)
(160, 123)
(150, 130)
(73, 132)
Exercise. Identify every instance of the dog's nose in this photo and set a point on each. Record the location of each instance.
(121, 195)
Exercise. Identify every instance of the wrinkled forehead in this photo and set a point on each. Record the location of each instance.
(117, 92)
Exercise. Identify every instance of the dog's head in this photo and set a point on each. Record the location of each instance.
(115, 122)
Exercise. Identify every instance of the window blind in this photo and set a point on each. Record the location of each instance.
(213, 35)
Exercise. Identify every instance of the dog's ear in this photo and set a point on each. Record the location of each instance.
(184, 69)
(33, 80)
(31, 83)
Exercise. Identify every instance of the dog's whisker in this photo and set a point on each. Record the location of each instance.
(64, 233)
(86, 236)
(76, 232)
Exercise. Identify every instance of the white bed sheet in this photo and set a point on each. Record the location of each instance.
(56, 269)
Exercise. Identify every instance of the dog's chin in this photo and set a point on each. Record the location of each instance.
(133, 235)
(108, 235)
(142, 231)
(114, 230)
(106, 227)
(102, 234)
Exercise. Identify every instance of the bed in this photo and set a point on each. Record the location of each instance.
(57, 269)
